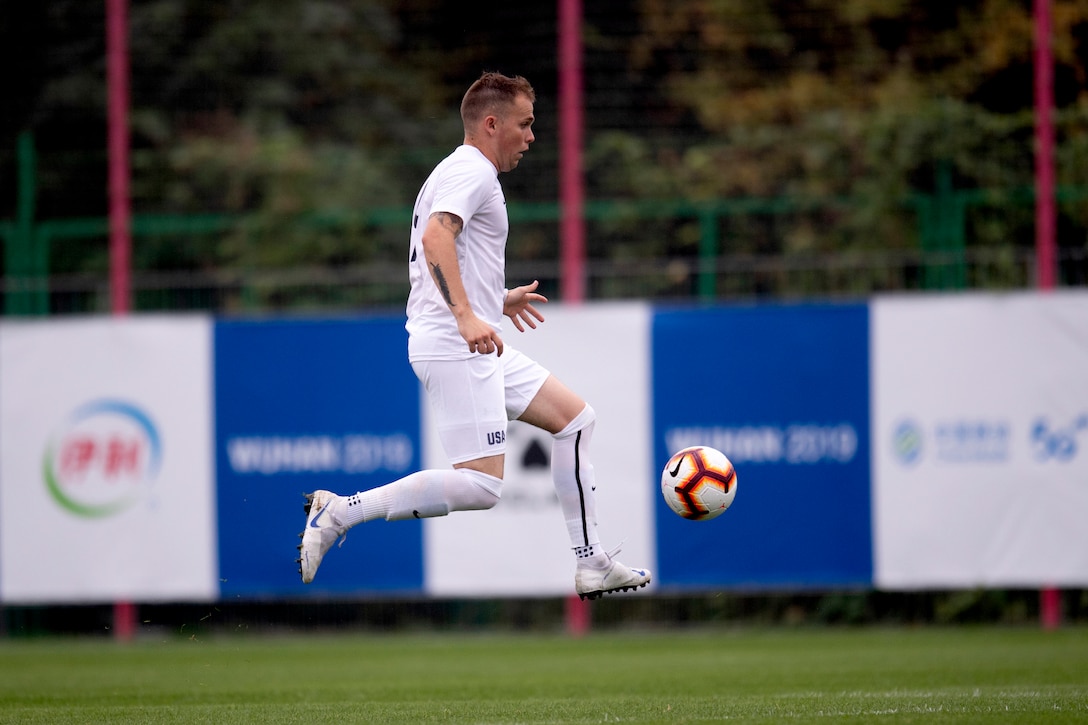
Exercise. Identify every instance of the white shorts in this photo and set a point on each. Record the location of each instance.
(473, 399)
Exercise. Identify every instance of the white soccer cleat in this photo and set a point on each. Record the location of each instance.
(322, 531)
(592, 583)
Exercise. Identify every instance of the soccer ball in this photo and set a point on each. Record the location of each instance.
(699, 483)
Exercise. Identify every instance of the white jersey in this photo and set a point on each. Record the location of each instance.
(465, 183)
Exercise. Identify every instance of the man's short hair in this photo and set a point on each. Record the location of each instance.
(490, 93)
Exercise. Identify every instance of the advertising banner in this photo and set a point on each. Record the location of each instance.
(521, 547)
(106, 489)
(912, 442)
(980, 418)
(784, 392)
(308, 404)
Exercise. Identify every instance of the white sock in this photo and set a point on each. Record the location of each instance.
(572, 475)
(424, 494)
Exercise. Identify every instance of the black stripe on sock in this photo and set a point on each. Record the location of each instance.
(581, 493)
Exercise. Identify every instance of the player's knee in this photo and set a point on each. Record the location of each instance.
(484, 502)
(484, 492)
(580, 422)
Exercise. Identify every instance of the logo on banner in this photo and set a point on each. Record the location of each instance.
(528, 471)
(310, 454)
(103, 460)
(961, 441)
(797, 444)
(1057, 443)
(907, 442)
(972, 441)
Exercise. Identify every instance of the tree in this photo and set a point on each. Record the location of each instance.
(301, 116)
(871, 100)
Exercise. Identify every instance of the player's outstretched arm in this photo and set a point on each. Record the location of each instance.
(518, 305)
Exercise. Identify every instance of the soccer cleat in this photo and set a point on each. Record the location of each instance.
(592, 583)
(322, 531)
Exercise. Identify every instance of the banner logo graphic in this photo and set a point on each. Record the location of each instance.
(316, 454)
(795, 444)
(1059, 443)
(907, 442)
(103, 460)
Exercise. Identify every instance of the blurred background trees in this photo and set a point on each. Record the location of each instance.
(285, 109)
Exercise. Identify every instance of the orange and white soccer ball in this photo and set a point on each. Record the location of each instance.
(699, 483)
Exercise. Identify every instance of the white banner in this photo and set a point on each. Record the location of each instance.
(106, 478)
(980, 440)
(521, 546)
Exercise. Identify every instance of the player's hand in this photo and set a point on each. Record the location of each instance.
(480, 336)
(518, 305)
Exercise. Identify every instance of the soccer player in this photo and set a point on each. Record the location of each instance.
(474, 383)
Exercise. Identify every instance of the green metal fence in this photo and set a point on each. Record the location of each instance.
(949, 251)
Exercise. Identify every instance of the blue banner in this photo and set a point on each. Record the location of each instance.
(302, 405)
(784, 392)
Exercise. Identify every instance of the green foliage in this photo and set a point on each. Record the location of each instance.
(858, 114)
(863, 100)
(283, 107)
(280, 111)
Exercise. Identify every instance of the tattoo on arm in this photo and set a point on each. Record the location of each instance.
(443, 285)
(450, 222)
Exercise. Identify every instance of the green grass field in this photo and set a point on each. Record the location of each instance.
(946, 675)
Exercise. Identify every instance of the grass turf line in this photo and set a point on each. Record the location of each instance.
(967, 675)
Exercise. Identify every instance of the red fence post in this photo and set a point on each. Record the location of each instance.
(117, 65)
(572, 231)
